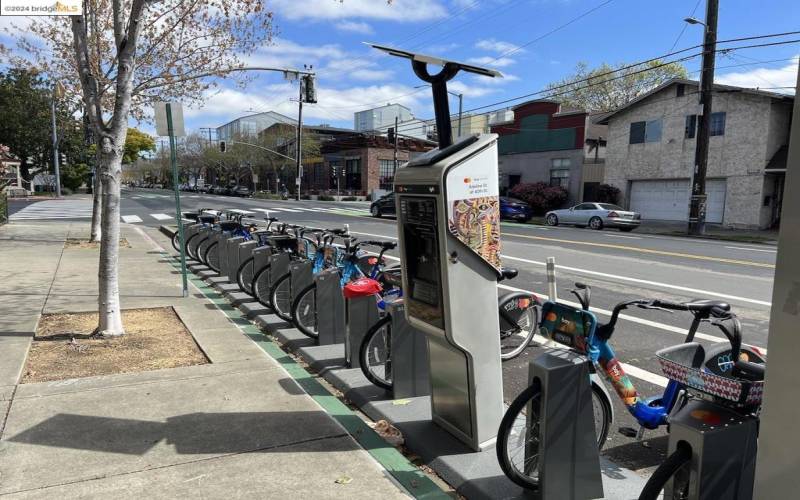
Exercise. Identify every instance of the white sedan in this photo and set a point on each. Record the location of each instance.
(596, 216)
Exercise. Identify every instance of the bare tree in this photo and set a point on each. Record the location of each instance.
(128, 54)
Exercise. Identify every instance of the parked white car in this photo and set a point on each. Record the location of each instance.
(596, 216)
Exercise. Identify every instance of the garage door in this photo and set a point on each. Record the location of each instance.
(669, 200)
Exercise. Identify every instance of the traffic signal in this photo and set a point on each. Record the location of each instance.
(333, 172)
(222, 146)
(309, 89)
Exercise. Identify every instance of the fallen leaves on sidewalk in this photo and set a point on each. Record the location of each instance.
(388, 432)
(81, 243)
(65, 347)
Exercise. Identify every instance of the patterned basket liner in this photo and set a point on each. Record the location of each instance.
(676, 363)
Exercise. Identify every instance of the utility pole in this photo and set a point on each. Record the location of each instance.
(56, 92)
(460, 111)
(299, 153)
(395, 143)
(697, 203)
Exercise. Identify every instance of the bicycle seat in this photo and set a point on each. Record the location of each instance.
(389, 245)
(707, 306)
(229, 225)
(190, 215)
(508, 273)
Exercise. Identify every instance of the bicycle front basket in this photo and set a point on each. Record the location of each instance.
(683, 364)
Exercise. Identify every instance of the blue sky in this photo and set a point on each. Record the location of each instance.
(352, 76)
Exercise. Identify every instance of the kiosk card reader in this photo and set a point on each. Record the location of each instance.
(448, 216)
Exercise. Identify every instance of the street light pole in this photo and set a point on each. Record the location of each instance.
(697, 203)
(55, 140)
(460, 111)
(299, 138)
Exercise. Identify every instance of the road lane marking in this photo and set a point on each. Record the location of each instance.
(645, 250)
(752, 249)
(645, 282)
(131, 219)
(284, 209)
(267, 210)
(160, 216)
(610, 235)
(240, 211)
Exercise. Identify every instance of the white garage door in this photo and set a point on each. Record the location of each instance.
(669, 200)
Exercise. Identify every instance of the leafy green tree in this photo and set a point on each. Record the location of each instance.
(604, 88)
(25, 126)
(136, 143)
(74, 175)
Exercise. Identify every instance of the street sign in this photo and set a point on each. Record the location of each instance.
(162, 127)
(255, 178)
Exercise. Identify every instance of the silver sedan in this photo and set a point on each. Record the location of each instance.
(596, 216)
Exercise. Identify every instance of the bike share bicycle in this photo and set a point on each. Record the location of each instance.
(577, 329)
(518, 312)
(713, 435)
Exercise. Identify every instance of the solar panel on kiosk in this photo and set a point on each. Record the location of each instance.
(415, 56)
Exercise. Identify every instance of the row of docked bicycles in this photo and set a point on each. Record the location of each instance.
(363, 270)
(728, 375)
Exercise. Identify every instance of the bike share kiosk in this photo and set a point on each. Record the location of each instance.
(449, 231)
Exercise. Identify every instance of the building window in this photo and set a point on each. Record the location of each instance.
(386, 174)
(649, 131)
(352, 174)
(691, 126)
(559, 172)
(717, 124)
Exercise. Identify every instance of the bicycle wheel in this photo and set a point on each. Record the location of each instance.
(676, 466)
(199, 247)
(375, 353)
(304, 311)
(261, 286)
(211, 257)
(176, 241)
(516, 337)
(518, 436)
(280, 297)
(244, 276)
(192, 243)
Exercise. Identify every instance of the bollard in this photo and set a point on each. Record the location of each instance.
(409, 355)
(331, 326)
(552, 289)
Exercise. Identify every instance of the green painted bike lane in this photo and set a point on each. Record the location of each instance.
(401, 469)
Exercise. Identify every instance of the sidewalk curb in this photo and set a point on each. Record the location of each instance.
(398, 466)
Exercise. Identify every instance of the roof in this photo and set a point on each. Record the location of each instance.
(272, 114)
(674, 81)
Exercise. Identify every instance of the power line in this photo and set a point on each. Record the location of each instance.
(685, 25)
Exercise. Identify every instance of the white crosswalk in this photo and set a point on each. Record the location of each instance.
(160, 216)
(55, 209)
(131, 219)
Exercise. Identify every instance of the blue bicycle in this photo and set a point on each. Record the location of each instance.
(577, 330)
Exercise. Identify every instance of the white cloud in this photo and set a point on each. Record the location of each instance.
(401, 10)
(355, 27)
(492, 62)
(460, 87)
(486, 80)
(286, 53)
(497, 46)
(785, 76)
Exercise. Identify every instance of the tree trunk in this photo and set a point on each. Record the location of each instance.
(110, 167)
(97, 205)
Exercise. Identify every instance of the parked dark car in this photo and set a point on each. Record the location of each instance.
(383, 206)
(242, 191)
(514, 209)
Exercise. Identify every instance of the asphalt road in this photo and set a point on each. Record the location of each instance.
(618, 266)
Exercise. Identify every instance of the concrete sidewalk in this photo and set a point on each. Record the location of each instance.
(240, 426)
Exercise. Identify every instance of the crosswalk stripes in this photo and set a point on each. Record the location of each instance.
(240, 211)
(267, 210)
(160, 216)
(129, 219)
(55, 209)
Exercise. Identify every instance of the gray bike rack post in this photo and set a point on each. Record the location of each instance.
(724, 447)
(278, 266)
(330, 308)
(569, 465)
(221, 238)
(245, 252)
(302, 272)
(362, 313)
(232, 257)
(409, 355)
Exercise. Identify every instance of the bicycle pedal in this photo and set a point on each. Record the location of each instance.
(628, 432)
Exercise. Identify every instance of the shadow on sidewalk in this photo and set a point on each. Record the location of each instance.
(193, 433)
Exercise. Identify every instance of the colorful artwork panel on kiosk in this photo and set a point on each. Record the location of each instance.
(474, 211)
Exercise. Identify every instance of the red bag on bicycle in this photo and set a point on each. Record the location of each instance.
(362, 287)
